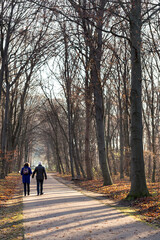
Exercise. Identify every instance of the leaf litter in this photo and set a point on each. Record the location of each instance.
(11, 218)
(147, 208)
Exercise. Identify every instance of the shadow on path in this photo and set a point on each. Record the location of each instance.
(64, 213)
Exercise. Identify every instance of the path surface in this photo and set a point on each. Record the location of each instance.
(64, 213)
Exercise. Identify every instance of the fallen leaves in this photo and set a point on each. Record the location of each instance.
(11, 225)
(7, 187)
(148, 207)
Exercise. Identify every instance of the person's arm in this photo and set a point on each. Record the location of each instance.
(22, 171)
(45, 175)
(34, 172)
(30, 171)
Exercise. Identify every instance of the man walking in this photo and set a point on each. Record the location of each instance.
(40, 175)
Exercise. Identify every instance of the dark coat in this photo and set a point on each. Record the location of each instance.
(26, 177)
(40, 172)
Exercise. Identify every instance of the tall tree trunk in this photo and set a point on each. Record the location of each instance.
(154, 158)
(138, 180)
(108, 139)
(26, 151)
(78, 156)
(68, 97)
(20, 156)
(127, 155)
(4, 43)
(55, 159)
(76, 161)
(99, 109)
(96, 55)
(153, 129)
(88, 100)
(55, 139)
(121, 135)
(4, 135)
(114, 163)
(65, 150)
(48, 155)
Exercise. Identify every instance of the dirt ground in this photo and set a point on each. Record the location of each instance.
(66, 213)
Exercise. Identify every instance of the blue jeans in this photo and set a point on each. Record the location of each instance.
(39, 186)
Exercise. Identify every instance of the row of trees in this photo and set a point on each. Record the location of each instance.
(109, 48)
(24, 32)
(102, 51)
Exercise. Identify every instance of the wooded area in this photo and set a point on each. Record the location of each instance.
(105, 56)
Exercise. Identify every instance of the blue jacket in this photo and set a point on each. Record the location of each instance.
(26, 177)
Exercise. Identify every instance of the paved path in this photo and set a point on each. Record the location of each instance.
(64, 213)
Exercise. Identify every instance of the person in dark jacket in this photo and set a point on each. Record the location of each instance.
(26, 173)
(40, 175)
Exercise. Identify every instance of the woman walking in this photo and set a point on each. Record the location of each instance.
(26, 173)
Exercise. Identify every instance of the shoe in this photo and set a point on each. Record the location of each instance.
(41, 193)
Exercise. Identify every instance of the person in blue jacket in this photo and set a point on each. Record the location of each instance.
(26, 173)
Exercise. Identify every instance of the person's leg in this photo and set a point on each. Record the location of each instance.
(24, 189)
(37, 187)
(28, 186)
(41, 186)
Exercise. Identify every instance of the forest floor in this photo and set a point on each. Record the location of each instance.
(147, 209)
(11, 208)
(12, 215)
(67, 212)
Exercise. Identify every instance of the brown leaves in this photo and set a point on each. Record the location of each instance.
(148, 207)
(7, 187)
(11, 217)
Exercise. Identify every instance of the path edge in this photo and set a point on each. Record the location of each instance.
(129, 211)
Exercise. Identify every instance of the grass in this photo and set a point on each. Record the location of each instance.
(11, 208)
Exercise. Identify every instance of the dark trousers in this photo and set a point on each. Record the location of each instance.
(26, 188)
(39, 186)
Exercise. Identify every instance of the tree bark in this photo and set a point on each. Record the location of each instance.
(4, 134)
(88, 100)
(138, 180)
(99, 112)
(96, 53)
(77, 155)
(68, 97)
(121, 135)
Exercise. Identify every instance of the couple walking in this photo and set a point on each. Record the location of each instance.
(40, 172)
